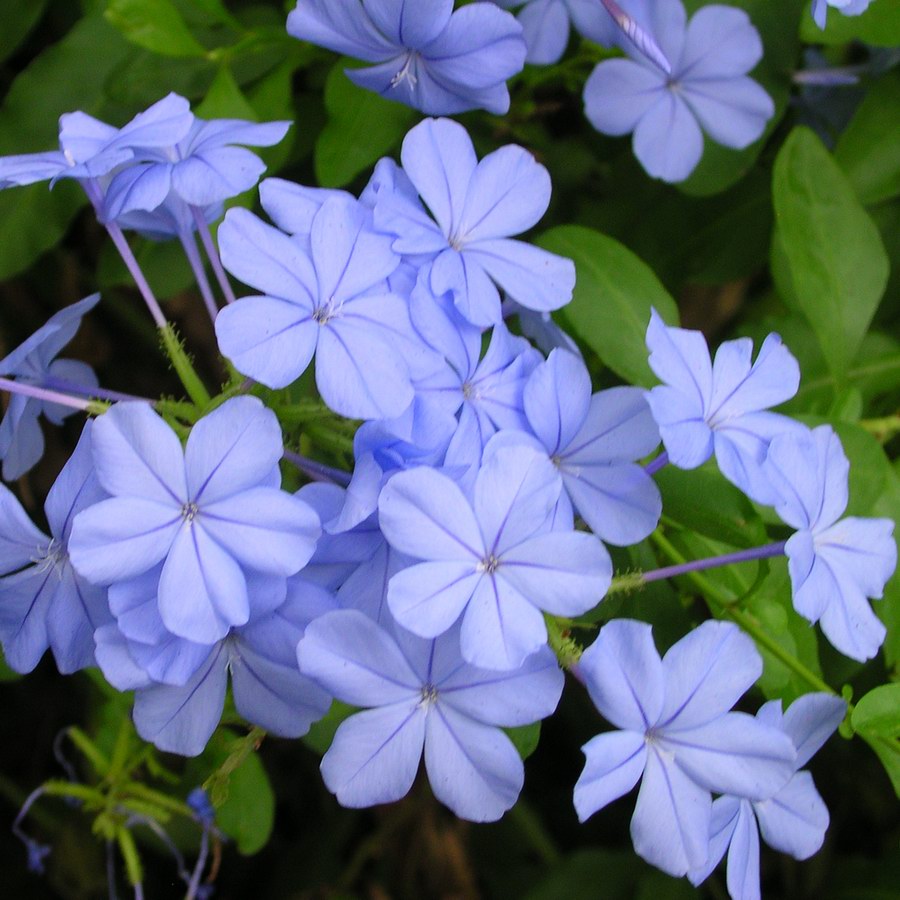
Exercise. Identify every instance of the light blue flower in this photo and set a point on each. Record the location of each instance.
(707, 89)
(845, 7)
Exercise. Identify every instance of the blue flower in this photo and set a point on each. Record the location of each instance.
(677, 735)
(202, 169)
(427, 56)
(44, 602)
(493, 561)
(205, 511)
(325, 296)
(180, 685)
(707, 88)
(420, 696)
(21, 440)
(594, 440)
(834, 563)
(794, 820)
(845, 7)
(719, 406)
(477, 207)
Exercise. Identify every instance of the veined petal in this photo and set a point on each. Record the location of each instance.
(265, 529)
(137, 455)
(122, 537)
(733, 112)
(615, 761)
(375, 755)
(357, 661)
(19, 537)
(743, 856)
(624, 675)
(268, 339)
(233, 448)
(202, 590)
(410, 23)
(429, 597)
(424, 513)
(557, 397)
(795, 820)
(23, 616)
(720, 42)
(564, 573)
(810, 720)
(670, 826)
(619, 93)
(472, 768)
(342, 26)
(667, 140)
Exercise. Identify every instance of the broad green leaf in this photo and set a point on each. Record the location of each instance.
(888, 751)
(17, 19)
(216, 10)
(248, 813)
(525, 738)
(703, 501)
(878, 25)
(837, 261)
(320, 736)
(225, 99)
(888, 506)
(155, 25)
(67, 76)
(878, 712)
(776, 23)
(868, 149)
(362, 127)
(614, 293)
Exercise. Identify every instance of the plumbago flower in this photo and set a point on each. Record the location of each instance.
(206, 511)
(420, 695)
(594, 441)
(45, 602)
(477, 208)
(33, 362)
(677, 735)
(794, 820)
(705, 406)
(834, 563)
(492, 561)
(845, 7)
(331, 301)
(428, 56)
(180, 684)
(706, 88)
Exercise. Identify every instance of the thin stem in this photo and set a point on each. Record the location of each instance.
(212, 254)
(316, 470)
(193, 257)
(40, 393)
(128, 257)
(641, 39)
(194, 885)
(725, 605)
(182, 364)
(655, 465)
(86, 390)
(714, 562)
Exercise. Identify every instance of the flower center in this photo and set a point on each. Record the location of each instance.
(53, 556)
(429, 695)
(189, 512)
(407, 73)
(489, 565)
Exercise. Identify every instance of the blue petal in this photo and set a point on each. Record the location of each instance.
(667, 140)
(474, 769)
(810, 720)
(619, 93)
(20, 540)
(556, 399)
(615, 762)
(795, 820)
(342, 26)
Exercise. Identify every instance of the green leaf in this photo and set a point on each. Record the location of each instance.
(6, 673)
(837, 262)
(704, 502)
(155, 25)
(225, 99)
(879, 25)
(525, 738)
(216, 10)
(320, 736)
(581, 875)
(248, 813)
(17, 18)
(68, 75)
(868, 149)
(888, 609)
(878, 712)
(362, 127)
(614, 293)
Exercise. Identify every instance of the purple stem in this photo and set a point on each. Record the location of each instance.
(213, 254)
(39, 393)
(194, 885)
(193, 257)
(713, 562)
(640, 38)
(86, 390)
(655, 465)
(316, 470)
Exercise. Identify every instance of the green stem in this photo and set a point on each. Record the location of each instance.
(183, 367)
(882, 429)
(747, 622)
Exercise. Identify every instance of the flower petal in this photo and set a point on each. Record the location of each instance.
(615, 761)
